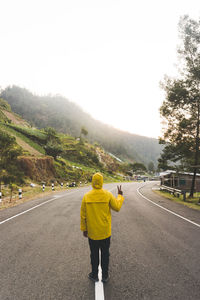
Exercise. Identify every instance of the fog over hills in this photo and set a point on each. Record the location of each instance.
(65, 116)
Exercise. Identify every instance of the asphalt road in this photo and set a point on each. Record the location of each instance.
(154, 253)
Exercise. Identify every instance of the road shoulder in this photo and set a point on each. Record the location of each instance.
(184, 211)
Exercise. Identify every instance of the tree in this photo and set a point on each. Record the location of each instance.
(181, 107)
(138, 168)
(126, 168)
(53, 146)
(9, 151)
(84, 131)
(51, 135)
(151, 167)
(4, 104)
(10, 171)
(53, 149)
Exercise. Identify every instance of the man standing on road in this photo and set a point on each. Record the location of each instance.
(96, 223)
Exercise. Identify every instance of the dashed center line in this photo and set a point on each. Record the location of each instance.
(99, 291)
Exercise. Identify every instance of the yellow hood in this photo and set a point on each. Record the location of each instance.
(97, 181)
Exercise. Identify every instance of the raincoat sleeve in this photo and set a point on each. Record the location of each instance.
(83, 226)
(116, 203)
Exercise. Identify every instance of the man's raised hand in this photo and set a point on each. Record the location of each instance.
(119, 188)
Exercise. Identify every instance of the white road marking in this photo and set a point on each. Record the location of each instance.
(170, 211)
(99, 291)
(32, 208)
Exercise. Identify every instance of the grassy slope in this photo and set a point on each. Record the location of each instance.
(22, 140)
(82, 153)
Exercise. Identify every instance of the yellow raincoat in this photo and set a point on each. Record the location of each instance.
(96, 210)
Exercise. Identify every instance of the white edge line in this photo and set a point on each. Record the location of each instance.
(173, 213)
(24, 212)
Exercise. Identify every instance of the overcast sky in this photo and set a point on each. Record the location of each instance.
(108, 56)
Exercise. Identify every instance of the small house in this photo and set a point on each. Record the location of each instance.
(180, 180)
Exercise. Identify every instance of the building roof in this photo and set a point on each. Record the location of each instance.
(162, 174)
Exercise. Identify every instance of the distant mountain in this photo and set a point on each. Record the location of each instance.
(58, 112)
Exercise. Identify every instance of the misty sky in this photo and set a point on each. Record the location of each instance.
(108, 56)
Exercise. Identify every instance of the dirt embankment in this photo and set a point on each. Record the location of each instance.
(38, 168)
(14, 118)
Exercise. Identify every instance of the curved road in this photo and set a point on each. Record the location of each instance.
(154, 252)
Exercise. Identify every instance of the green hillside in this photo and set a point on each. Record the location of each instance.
(66, 117)
(45, 155)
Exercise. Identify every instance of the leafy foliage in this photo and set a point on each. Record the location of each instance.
(181, 107)
(4, 104)
(82, 154)
(151, 167)
(138, 168)
(9, 167)
(51, 135)
(53, 149)
(84, 131)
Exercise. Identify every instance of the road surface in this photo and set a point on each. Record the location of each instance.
(155, 252)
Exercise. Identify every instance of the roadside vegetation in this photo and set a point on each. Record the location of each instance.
(193, 202)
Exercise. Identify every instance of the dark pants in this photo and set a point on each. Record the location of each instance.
(95, 246)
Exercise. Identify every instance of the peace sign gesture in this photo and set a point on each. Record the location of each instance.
(119, 188)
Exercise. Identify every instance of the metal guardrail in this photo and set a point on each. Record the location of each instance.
(174, 191)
